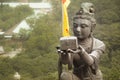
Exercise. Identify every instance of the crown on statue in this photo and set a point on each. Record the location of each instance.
(86, 9)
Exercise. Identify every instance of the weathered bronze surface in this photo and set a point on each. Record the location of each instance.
(85, 58)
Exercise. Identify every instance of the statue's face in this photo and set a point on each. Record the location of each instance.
(82, 28)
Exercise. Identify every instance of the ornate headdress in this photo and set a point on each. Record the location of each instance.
(86, 9)
(86, 12)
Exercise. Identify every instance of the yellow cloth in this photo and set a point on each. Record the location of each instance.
(65, 22)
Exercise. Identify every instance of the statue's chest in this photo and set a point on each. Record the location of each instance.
(78, 61)
(87, 46)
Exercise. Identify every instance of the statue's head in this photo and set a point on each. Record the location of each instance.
(87, 8)
(84, 21)
(83, 26)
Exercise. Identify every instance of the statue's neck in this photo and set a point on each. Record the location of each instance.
(85, 41)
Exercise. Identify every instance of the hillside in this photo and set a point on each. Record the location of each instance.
(38, 60)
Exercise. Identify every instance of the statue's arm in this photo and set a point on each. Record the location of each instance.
(94, 55)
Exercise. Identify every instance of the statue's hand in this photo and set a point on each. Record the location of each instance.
(74, 51)
(79, 50)
(59, 50)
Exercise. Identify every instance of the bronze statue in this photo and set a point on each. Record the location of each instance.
(86, 57)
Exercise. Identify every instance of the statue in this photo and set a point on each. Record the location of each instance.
(86, 57)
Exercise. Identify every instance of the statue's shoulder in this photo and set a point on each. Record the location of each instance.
(98, 44)
(97, 41)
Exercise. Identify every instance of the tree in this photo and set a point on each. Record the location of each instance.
(1, 1)
(43, 35)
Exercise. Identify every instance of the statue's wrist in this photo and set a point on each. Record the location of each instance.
(82, 52)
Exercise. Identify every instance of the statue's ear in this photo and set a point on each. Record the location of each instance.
(93, 27)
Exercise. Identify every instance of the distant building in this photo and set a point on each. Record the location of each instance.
(2, 33)
(16, 29)
(23, 25)
(39, 8)
(42, 8)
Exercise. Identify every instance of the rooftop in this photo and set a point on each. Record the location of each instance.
(32, 5)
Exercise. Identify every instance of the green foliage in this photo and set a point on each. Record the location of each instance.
(23, 35)
(23, 11)
(12, 16)
(39, 68)
(44, 35)
(110, 60)
(109, 34)
(39, 60)
(5, 69)
(110, 67)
